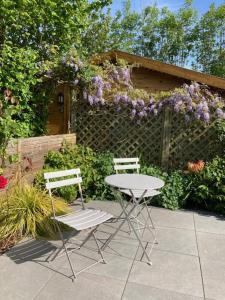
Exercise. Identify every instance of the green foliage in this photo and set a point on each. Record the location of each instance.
(104, 166)
(178, 37)
(18, 75)
(33, 36)
(44, 24)
(208, 186)
(205, 189)
(26, 210)
(220, 131)
(210, 42)
(19, 72)
(94, 167)
(176, 190)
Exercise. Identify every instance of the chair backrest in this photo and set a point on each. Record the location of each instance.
(74, 178)
(123, 164)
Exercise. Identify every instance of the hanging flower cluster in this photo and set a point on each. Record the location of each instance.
(194, 101)
(110, 85)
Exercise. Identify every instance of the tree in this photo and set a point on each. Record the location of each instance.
(33, 36)
(210, 42)
(167, 35)
(42, 24)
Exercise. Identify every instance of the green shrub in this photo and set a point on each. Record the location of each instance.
(94, 168)
(26, 210)
(205, 189)
(208, 187)
(104, 167)
(176, 190)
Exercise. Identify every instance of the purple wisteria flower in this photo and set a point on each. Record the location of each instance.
(206, 117)
(219, 112)
(90, 100)
(187, 118)
(133, 113)
(140, 102)
(99, 93)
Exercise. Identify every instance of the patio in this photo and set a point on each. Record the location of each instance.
(188, 263)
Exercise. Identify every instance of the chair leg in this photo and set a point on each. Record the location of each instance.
(99, 248)
(87, 238)
(67, 254)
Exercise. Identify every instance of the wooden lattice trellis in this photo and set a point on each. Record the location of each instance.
(163, 140)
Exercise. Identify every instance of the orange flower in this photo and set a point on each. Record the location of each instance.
(196, 167)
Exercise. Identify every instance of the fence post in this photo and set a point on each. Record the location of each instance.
(165, 143)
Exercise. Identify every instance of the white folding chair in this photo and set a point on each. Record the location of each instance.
(79, 220)
(124, 164)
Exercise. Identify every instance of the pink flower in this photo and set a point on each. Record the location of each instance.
(3, 182)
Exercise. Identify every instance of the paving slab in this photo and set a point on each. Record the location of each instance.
(118, 248)
(173, 239)
(117, 266)
(85, 287)
(207, 222)
(170, 271)
(213, 272)
(211, 246)
(176, 219)
(175, 273)
(135, 291)
(123, 236)
(112, 207)
(22, 281)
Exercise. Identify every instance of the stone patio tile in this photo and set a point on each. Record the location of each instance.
(22, 280)
(86, 287)
(213, 272)
(211, 246)
(174, 272)
(178, 219)
(117, 248)
(209, 223)
(135, 291)
(112, 207)
(123, 236)
(173, 239)
(117, 266)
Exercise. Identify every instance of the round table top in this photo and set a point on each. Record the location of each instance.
(134, 181)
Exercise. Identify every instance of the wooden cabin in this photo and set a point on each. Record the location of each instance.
(149, 74)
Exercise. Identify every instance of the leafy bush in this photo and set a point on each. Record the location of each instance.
(204, 189)
(220, 131)
(208, 186)
(26, 210)
(176, 190)
(94, 168)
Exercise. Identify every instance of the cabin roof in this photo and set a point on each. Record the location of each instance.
(210, 80)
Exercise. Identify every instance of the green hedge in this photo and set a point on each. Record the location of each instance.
(205, 189)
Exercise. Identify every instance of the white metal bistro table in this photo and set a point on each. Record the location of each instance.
(133, 182)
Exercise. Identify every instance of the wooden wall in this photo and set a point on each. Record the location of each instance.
(153, 81)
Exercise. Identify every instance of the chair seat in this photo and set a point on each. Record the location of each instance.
(84, 219)
(137, 193)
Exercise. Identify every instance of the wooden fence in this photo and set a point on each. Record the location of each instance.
(164, 140)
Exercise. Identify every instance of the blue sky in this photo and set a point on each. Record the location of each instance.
(201, 5)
